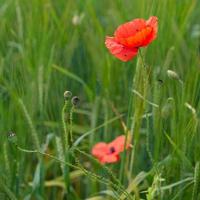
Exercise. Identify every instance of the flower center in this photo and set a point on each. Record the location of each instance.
(111, 150)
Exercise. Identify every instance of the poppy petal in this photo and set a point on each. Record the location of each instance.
(145, 36)
(99, 149)
(119, 51)
(153, 23)
(119, 143)
(138, 39)
(109, 159)
(130, 28)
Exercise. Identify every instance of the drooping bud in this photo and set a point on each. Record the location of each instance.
(172, 74)
(192, 109)
(77, 19)
(12, 137)
(75, 101)
(67, 95)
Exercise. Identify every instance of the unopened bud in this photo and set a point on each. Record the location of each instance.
(75, 101)
(77, 19)
(67, 94)
(173, 74)
(12, 137)
(192, 109)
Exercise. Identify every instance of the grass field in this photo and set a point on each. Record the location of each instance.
(48, 47)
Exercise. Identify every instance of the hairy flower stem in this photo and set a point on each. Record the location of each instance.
(33, 131)
(65, 116)
(196, 187)
(140, 83)
(78, 166)
(64, 123)
(71, 124)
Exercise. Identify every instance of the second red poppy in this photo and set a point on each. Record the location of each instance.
(110, 152)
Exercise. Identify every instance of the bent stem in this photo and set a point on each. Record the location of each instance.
(48, 155)
(71, 125)
(92, 175)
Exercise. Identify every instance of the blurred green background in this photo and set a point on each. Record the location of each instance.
(47, 47)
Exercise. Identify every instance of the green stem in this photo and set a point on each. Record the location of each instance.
(64, 114)
(66, 137)
(80, 167)
(70, 125)
(142, 59)
(48, 155)
(140, 82)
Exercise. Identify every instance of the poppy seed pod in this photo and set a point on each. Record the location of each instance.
(67, 94)
(75, 101)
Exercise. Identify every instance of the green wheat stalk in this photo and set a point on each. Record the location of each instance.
(30, 123)
(196, 186)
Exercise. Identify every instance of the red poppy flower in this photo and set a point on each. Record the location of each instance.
(109, 153)
(132, 35)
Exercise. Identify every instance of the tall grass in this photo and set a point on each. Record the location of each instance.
(48, 47)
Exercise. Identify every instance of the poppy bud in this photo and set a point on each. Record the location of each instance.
(192, 109)
(172, 74)
(77, 19)
(75, 101)
(12, 137)
(67, 95)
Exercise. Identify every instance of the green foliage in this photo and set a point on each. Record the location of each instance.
(48, 47)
